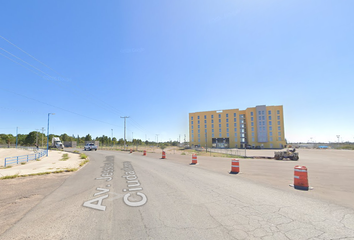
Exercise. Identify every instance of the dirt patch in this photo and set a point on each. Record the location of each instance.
(18, 196)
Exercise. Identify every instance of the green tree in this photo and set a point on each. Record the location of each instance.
(88, 137)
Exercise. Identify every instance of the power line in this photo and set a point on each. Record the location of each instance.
(59, 107)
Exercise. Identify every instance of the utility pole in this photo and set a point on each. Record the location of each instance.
(112, 137)
(42, 135)
(157, 136)
(124, 128)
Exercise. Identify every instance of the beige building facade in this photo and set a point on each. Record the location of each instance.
(256, 127)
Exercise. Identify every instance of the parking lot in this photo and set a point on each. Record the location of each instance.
(330, 172)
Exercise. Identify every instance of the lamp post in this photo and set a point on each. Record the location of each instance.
(48, 132)
(16, 136)
(112, 137)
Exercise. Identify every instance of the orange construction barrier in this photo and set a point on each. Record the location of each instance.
(131, 150)
(144, 153)
(163, 155)
(194, 159)
(300, 178)
(235, 166)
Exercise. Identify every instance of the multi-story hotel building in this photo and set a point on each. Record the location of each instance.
(256, 127)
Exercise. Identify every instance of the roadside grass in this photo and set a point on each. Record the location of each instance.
(23, 163)
(84, 162)
(76, 151)
(83, 156)
(9, 166)
(9, 177)
(64, 157)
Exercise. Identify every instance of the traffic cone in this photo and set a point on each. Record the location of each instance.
(131, 150)
(163, 155)
(235, 166)
(144, 154)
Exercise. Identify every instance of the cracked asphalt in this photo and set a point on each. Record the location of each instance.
(184, 202)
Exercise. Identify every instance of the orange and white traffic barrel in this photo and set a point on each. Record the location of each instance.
(144, 153)
(131, 150)
(194, 159)
(163, 155)
(300, 178)
(235, 166)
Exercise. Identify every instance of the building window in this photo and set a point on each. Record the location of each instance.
(263, 118)
(251, 118)
(192, 131)
(198, 126)
(227, 130)
(219, 125)
(198, 130)
(279, 138)
(242, 125)
(198, 122)
(227, 134)
(205, 130)
(271, 139)
(227, 120)
(219, 134)
(219, 115)
(278, 112)
(198, 139)
(235, 130)
(235, 139)
(205, 126)
(227, 125)
(251, 113)
(269, 112)
(192, 126)
(235, 134)
(259, 112)
(204, 116)
(252, 129)
(219, 129)
(212, 125)
(212, 120)
(262, 112)
(192, 122)
(278, 117)
(278, 122)
(234, 119)
(204, 121)
(253, 139)
(212, 135)
(270, 122)
(270, 134)
(198, 135)
(191, 118)
(227, 115)
(242, 130)
(252, 123)
(279, 128)
(270, 128)
(269, 117)
(198, 117)
(279, 134)
(212, 116)
(193, 136)
(234, 114)
(259, 118)
(219, 120)
(253, 134)
(212, 130)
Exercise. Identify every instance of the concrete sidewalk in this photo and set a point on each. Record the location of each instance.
(51, 163)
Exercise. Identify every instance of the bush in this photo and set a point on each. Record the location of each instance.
(83, 156)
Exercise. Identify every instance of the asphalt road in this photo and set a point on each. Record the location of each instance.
(170, 200)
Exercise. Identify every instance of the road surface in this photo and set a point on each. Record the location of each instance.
(129, 196)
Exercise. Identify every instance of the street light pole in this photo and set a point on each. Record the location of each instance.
(16, 136)
(48, 132)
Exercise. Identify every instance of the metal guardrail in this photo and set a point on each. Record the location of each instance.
(25, 158)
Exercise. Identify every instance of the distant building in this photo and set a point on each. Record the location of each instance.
(256, 127)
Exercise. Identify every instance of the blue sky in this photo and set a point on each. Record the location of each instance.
(91, 62)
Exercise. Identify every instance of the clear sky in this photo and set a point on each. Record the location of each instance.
(91, 62)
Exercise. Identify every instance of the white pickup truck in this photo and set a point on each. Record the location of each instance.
(90, 146)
